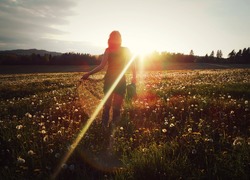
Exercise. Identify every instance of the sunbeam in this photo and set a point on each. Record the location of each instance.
(91, 119)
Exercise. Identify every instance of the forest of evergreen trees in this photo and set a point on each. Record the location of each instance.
(48, 59)
(7, 58)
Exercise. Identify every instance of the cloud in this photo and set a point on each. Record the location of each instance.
(24, 22)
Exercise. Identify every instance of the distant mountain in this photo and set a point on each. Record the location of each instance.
(29, 52)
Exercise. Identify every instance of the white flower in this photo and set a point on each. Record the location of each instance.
(238, 141)
(28, 115)
(20, 160)
(164, 130)
(194, 151)
(171, 125)
(19, 126)
(31, 153)
(190, 130)
(19, 136)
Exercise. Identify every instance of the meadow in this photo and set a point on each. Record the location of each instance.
(183, 124)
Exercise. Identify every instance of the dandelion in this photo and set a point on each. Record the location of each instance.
(19, 127)
(76, 110)
(194, 151)
(31, 153)
(171, 125)
(190, 130)
(43, 132)
(20, 160)
(45, 139)
(164, 130)
(238, 141)
(248, 141)
(19, 136)
(246, 102)
(121, 128)
(28, 115)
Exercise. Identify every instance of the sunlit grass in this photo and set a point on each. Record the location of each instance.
(183, 124)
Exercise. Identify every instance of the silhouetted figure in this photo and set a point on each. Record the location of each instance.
(117, 58)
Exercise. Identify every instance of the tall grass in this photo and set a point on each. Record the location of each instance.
(183, 125)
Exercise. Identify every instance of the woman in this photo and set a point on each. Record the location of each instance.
(117, 58)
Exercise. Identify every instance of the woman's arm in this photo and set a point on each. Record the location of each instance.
(98, 68)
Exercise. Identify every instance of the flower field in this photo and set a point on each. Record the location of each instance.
(186, 124)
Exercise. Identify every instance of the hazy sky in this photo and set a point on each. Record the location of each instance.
(163, 25)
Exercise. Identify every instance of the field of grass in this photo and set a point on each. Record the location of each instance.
(186, 124)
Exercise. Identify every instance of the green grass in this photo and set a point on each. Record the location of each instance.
(183, 125)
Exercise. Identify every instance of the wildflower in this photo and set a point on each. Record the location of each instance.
(246, 102)
(76, 110)
(121, 128)
(238, 141)
(194, 151)
(19, 136)
(248, 141)
(45, 139)
(28, 115)
(190, 130)
(164, 130)
(20, 160)
(19, 127)
(31, 153)
(43, 132)
(171, 125)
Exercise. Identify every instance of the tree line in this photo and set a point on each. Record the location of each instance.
(48, 59)
(240, 57)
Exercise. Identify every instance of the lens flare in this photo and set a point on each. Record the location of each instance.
(91, 119)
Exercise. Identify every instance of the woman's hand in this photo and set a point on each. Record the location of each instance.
(85, 76)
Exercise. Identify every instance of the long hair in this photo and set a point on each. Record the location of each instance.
(114, 40)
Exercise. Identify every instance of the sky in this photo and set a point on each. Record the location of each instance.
(83, 26)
